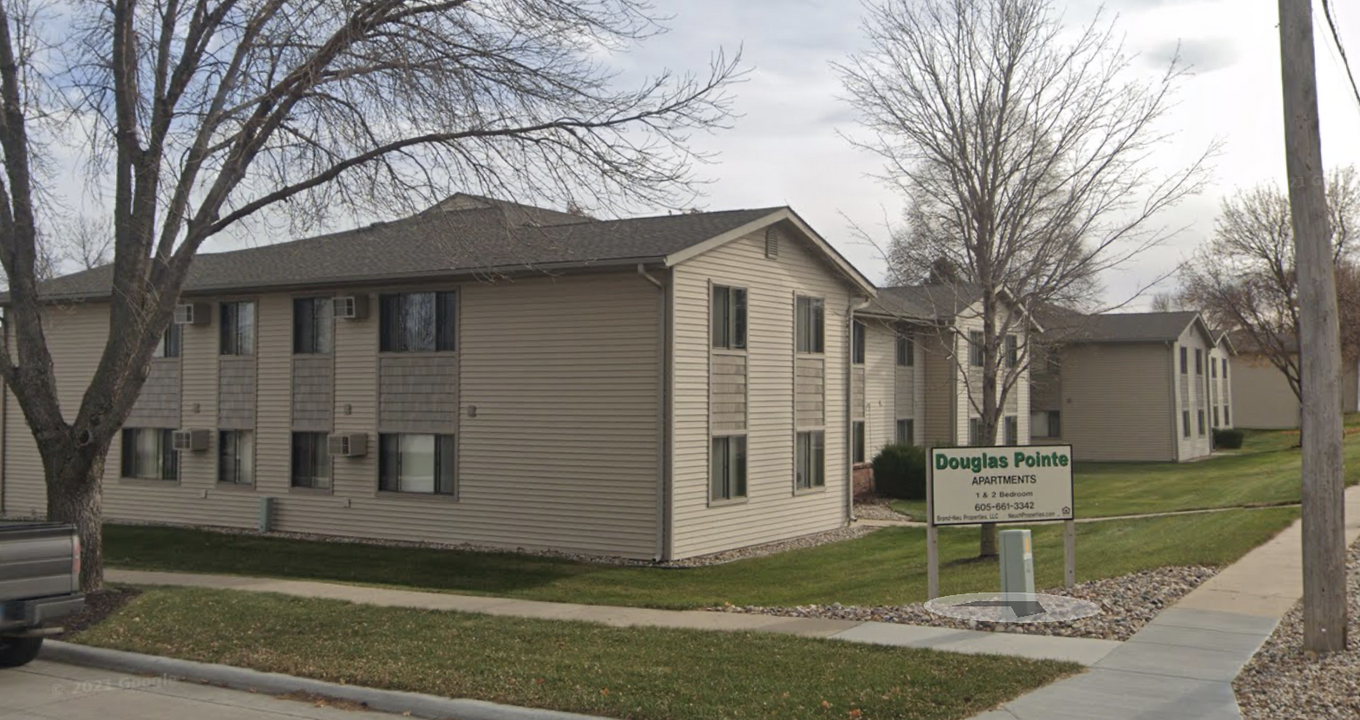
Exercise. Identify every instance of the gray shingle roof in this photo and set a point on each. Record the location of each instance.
(463, 235)
(1124, 327)
(927, 302)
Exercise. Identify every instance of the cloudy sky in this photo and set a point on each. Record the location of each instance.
(787, 147)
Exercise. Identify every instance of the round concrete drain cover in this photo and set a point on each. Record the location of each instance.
(1012, 607)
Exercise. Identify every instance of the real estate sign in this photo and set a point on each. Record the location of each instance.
(1001, 484)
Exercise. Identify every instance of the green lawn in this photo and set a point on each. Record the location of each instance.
(886, 567)
(1264, 472)
(626, 673)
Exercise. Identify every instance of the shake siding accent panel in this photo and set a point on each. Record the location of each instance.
(772, 510)
(418, 392)
(313, 392)
(810, 389)
(159, 403)
(1128, 420)
(729, 392)
(857, 394)
(236, 392)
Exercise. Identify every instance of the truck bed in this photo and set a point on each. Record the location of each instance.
(36, 561)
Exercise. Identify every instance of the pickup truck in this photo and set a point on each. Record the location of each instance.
(39, 586)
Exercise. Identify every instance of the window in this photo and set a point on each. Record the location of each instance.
(171, 343)
(1012, 351)
(148, 454)
(857, 338)
(418, 322)
(1227, 419)
(238, 328)
(1055, 361)
(1184, 362)
(1199, 361)
(236, 457)
(313, 326)
(728, 478)
(974, 432)
(1215, 416)
(810, 320)
(729, 317)
(975, 342)
(906, 348)
(1185, 423)
(906, 432)
(311, 462)
(1012, 430)
(416, 463)
(1201, 423)
(1045, 423)
(809, 460)
(857, 438)
(1225, 368)
(1213, 368)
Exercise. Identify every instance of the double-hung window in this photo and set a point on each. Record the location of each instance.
(1011, 425)
(1200, 413)
(975, 343)
(728, 468)
(418, 322)
(1012, 351)
(1185, 423)
(1199, 361)
(236, 457)
(149, 455)
(974, 432)
(1215, 416)
(238, 328)
(809, 460)
(857, 439)
(1185, 362)
(857, 338)
(906, 432)
(313, 326)
(729, 317)
(906, 348)
(411, 463)
(1045, 423)
(171, 343)
(311, 462)
(810, 322)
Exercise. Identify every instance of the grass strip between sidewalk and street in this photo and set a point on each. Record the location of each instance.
(1264, 472)
(887, 567)
(626, 673)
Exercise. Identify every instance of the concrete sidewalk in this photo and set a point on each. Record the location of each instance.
(1079, 650)
(1181, 665)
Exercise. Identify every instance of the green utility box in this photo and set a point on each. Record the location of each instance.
(1017, 562)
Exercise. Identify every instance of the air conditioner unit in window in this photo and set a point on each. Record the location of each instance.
(190, 440)
(193, 314)
(350, 307)
(348, 445)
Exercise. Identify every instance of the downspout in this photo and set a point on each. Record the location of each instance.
(850, 308)
(662, 552)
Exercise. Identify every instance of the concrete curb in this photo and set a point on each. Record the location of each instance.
(392, 701)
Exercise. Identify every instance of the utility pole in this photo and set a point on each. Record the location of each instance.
(1324, 543)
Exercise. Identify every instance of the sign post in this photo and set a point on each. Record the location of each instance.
(1007, 484)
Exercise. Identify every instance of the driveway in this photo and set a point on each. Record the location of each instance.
(50, 691)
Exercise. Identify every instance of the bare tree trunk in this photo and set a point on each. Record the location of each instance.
(987, 542)
(1324, 543)
(75, 494)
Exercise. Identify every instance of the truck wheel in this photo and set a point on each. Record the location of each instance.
(18, 651)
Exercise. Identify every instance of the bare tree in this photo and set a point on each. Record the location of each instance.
(203, 113)
(1246, 280)
(1165, 302)
(85, 242)
(1023, 151)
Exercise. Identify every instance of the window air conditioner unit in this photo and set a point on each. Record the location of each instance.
(348, 445)
(190, 440)
(350, 307)
(192, 314)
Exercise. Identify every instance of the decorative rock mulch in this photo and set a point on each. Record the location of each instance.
(1127, 604)
(876, 510)
(1282, 682)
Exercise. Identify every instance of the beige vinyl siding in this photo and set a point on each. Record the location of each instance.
(941, 387)
(880, 373)
(772, 510)
(728, 391)
(1261, 396)
(1350, 385)
(1117, 405)
(1192, 389)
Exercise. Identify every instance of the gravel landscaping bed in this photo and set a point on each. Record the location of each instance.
(806, 541)
(1282, 682)
(876, 509)
(1127, 603)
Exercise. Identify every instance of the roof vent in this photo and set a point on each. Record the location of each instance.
(771, 243)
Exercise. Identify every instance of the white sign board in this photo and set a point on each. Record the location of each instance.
(1001, 484)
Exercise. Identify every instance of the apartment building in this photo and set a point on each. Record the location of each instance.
(488, 373)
